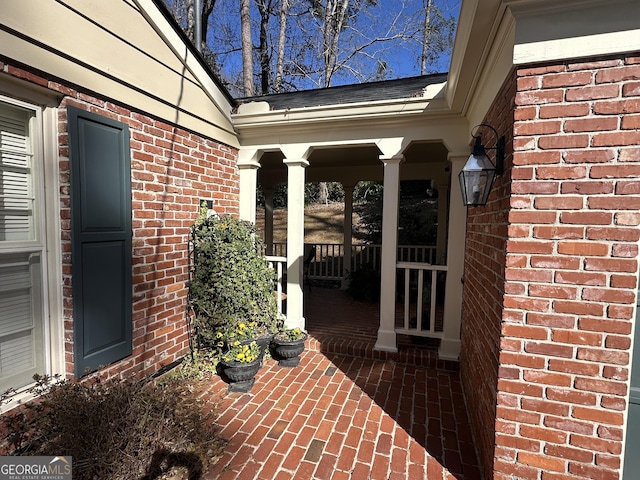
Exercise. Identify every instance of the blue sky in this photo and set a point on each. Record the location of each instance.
(396, 59)
(403, 60)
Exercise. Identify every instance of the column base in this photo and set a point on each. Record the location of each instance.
(300, 323)
(386, 341)
(449, 350)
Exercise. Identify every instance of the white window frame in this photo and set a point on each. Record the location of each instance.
(44, 132)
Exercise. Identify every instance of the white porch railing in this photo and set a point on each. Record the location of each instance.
(419, 285)
(412, 316)
(329, 260)
(279, 264)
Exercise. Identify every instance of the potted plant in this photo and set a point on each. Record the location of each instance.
(287, 345)
(240, 364)
(246, 333)
(231, 290)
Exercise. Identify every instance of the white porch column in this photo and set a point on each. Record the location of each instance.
(295, 241)
(347, 227)
(443, 202)
(268, 220)
(450, 344)
(248, 166)
(391, 190)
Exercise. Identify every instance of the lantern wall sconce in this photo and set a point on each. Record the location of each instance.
(479, 173)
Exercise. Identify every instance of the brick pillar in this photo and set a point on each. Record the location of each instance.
(571, 271)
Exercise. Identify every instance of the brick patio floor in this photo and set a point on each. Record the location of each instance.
(347, 411)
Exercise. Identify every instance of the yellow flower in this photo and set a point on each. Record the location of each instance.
(242, 326)
(242, 353)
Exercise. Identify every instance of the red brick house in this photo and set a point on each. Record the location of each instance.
(108, 147)
(543, 325)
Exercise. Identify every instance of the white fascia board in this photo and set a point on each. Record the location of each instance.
(393, 110)
(453, 131)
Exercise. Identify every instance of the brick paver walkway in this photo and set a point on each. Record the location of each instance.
(346, 416)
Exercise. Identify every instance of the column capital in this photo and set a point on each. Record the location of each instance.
(248, 165)
(249, 158)
(392, 160)
(296, 162)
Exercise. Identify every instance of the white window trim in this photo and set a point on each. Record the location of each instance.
(48, 233)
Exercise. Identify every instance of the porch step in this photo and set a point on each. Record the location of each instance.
(407, 354)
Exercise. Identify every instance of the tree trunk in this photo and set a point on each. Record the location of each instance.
(334, 18)
(323, 193)
(191, 21)
(426, 33)
(284, 11)
(247, 48)
(264, 7)
(207, 8)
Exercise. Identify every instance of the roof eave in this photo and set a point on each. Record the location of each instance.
(431, 104)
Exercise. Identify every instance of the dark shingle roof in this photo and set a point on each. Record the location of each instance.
(363, 92)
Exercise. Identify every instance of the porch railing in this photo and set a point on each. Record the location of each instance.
(279, 264)
(421, 289)
(329, 259)
(420, 284)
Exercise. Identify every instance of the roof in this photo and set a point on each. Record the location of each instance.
(362, 92)
(162, 7)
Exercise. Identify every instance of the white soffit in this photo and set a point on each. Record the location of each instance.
(573, 29)
(478, 26)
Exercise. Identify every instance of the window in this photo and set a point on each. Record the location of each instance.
(23, 350)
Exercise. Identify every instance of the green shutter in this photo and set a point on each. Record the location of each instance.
(101, 239)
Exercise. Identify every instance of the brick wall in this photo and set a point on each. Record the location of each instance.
(571, 271)
(171, 170)
(484, 286)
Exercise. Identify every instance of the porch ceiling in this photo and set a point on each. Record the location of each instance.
(350, 164)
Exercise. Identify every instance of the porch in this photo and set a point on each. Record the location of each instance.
(420, 287)
(348, 411)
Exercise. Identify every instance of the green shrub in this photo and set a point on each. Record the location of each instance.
(231, 283)
(116, 429)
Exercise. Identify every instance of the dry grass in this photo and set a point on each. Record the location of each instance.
(322, 224)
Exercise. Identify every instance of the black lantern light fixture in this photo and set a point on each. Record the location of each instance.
(479, 173)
